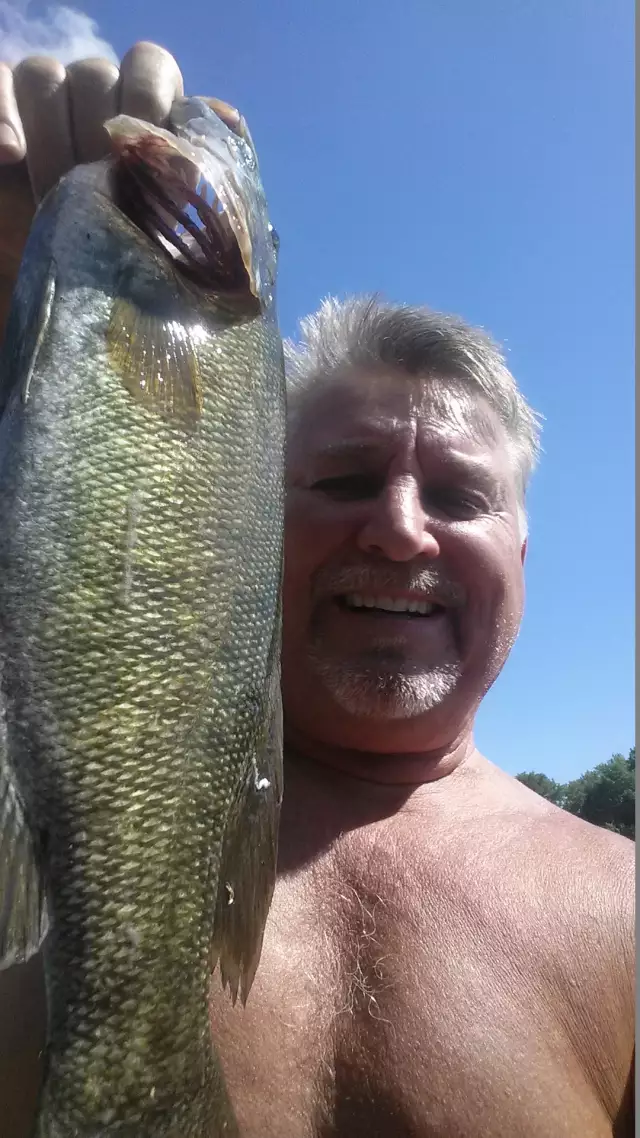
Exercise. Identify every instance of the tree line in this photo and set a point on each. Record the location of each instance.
(605, 795)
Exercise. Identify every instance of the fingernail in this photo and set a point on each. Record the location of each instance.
(10, 148)
(229, 115)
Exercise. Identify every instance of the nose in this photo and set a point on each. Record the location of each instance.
(397, 525)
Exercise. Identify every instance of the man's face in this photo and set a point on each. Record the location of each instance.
(403, 567)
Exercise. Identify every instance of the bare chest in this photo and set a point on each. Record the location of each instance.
(390, 1003)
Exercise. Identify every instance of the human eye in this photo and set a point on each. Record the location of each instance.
(349, 487)
(455, 502)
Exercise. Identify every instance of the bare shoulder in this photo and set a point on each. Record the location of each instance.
(603, 857)
(592, 871)
(589, 866)
(564, 888)
(566, 902)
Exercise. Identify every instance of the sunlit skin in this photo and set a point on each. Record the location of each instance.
(397, 475)
(418, 884)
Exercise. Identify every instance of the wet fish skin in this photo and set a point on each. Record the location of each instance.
(140, 573)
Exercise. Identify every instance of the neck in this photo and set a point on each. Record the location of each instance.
(388, 768)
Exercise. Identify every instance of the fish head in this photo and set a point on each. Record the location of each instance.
(195, 190)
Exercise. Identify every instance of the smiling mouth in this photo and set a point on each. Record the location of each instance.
(406, 606)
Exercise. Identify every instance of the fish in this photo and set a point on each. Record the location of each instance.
(142, 425)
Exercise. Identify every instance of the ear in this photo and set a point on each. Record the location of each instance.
(523, 550)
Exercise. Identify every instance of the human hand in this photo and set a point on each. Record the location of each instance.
(52, 118)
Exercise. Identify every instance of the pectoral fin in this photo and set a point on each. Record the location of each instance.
(27, 328)
(157, 360)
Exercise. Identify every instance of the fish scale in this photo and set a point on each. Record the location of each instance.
(140, 572)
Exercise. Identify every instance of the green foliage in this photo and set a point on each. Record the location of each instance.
(543, 785)
(605, 796)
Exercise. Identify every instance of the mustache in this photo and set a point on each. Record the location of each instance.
(382, 579)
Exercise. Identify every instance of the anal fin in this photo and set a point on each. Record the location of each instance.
(23, 914)
(248, 864)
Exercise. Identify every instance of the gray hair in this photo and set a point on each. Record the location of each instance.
(366, 332)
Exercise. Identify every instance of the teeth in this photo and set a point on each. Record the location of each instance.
(388, 604)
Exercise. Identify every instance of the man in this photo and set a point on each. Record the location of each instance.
(447, 954)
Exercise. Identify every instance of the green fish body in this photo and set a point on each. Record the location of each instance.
(141, 515)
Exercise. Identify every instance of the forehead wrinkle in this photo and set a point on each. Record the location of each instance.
(467, 442)
(376, 435)
(466, 463)
(357, 415)
(464, 435)
(460, 443)
(453, 411)
(487, 467)
(396, 403)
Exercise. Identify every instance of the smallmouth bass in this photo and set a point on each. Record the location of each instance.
(142, 427)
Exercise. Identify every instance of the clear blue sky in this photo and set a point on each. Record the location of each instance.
(475, 157)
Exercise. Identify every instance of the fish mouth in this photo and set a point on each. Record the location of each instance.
(185, 203)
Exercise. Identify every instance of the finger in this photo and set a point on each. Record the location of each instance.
(150, 80)
(12, 143)
(93, 98)
(43, 103)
